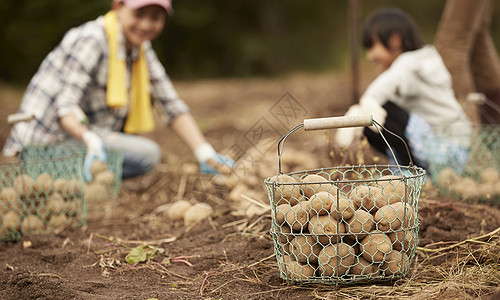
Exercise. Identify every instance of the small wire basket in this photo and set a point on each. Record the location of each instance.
(108, 174)
(470, 174)
(346, 224)
(43, 195)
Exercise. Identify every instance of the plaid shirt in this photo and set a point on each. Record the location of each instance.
(74, 75)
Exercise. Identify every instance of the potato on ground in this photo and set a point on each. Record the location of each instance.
(395, 263)
(97, 167)
(95, 192)
(197, 213)
(322, 202)
(106, 177)
(313, 184)
(447, 177)
(403, 240)
(369, 198)
(375, 246)
(325, 227)
(305, 249)
(342, 208)
(360, 224)
(335, 259)
(489, 175)
(287, 189)
(296, 271)
(364, 268)
(298, 215)
(391, 217)
(177, 210)
(393, 188)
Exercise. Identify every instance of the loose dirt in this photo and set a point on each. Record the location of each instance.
(231, 254)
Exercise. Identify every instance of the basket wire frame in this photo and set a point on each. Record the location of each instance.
(315, 244)
(41, 195)
(472, 175)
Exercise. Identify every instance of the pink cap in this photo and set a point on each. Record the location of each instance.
(135, 4)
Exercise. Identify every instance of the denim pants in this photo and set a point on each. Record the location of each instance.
(140, 154)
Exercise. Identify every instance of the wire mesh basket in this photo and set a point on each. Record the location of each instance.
(344, 225)
(42, 195)
(106, 177)
(472, 174)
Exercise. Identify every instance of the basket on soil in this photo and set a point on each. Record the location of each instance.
(106, 177)
(345, 225)
(41, 195)
(473, 174)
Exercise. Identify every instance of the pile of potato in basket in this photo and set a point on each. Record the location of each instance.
(362, 230)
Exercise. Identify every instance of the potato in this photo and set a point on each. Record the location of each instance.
(391, 217)
(311, 184)
(489, 175)
(284, 234)
(369, 198)
(57, 222)
(8, 194)
(72, 207)
(393, 188)
(395, 263)
(447, 177)
(362, 267)
(296, 271)
(74, 187)
(324, 227)
(298, 215)
(177, 210)
(360, 224)
(375, 246)
(95, 192)
(59, 186)
(97, 167)
(279, 215)
(43, 183)
(342, 208)
(403, 240)
(321, 202)
(32, 224)
(467, 188)
(55, 204)
(197, 213)
(23, 184)
(305, 249)
(106, 177)
(11, 221)
(11, 199)
(287, 190)
(335, 259)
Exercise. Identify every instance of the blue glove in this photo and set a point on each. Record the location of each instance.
(217, 164)
(95, 150)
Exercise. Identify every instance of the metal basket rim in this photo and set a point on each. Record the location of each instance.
(420, 173)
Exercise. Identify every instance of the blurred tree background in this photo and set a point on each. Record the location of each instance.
(219, 38)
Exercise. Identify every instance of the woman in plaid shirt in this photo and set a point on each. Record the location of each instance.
(84, 90)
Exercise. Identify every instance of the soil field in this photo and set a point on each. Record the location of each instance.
(230, 255)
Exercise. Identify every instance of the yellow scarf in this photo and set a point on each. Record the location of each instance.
(140, 115)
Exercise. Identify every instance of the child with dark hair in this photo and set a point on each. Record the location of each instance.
(412, 97)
